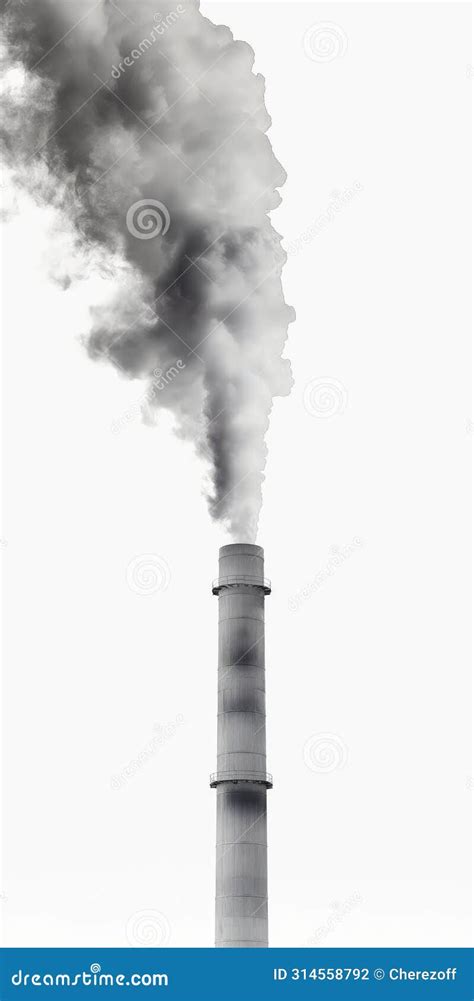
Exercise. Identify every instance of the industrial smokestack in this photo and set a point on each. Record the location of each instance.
(241, 779)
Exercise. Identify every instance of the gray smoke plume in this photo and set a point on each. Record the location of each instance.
(153, 129)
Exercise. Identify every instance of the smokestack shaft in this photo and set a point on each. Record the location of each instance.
(241, 779)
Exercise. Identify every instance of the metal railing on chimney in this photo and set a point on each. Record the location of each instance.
(241, 578)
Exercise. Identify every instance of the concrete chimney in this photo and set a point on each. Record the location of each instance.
(241, 779)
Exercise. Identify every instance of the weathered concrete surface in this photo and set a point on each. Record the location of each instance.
(241, 779)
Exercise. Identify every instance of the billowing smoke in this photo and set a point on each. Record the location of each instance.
(153, 129)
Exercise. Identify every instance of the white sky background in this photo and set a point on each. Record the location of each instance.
(378, 656)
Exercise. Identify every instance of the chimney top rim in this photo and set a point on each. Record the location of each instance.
(240, 549)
